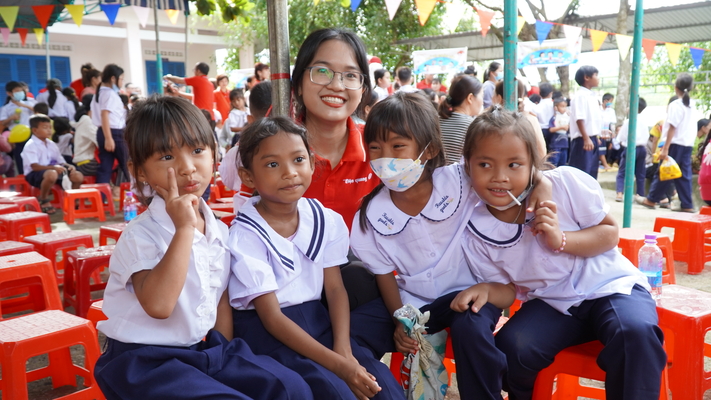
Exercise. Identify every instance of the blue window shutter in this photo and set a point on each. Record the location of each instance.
(5, 69)
(40, 73)
(60, 70)
(24, 73)
(151, 86)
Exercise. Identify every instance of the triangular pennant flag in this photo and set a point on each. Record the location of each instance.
(23, 35)
(111, 11)
(520, 22)
(39, 32)
(76, 11)
(424, 9)
(572, 33)
(392, 6)
(624, 42)
(345, 3)
(9, 15)
(172, 16)
(142, 13)
(5, 35)
(315, 2)
(674, 50)
(542, 30)
(43, 13)
(648, 45)
(354, 4)
(697, 55)
(598, 38)
(485, 17)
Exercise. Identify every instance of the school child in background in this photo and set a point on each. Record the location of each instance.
(72, 104)
(609, 119)
(641, 139)
(17, 108)
(85, 142)
(237, 119)
(54, 98)
(703, 127)
(286, 250)
(558, 127)
(169, 324)
(545, 110)
(64, 137)
(575, 286)
(585, 123)
(382, 83)
(705, 162)
(43, 163)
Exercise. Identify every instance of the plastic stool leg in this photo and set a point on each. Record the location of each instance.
(58, 362)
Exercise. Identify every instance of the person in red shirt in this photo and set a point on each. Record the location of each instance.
(222, 96)
(78, 84)
(203, 91)
(427, 83)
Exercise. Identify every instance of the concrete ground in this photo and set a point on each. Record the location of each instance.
(642, 218)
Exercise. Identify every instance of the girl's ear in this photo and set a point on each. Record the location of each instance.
(246, 176)
(138, 173)
(430, 153)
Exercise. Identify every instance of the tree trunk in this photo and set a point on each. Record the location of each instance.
(542, 74)
(622, 99)
(564, 76)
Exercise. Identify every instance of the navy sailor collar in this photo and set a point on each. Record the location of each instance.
(492, 231)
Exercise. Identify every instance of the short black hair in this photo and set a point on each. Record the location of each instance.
(41, 108)
(260, 99)
(584, 71)
(535, 98)
(404, 74)
(545, 89)
(607, 96)
(642, 105)
(559, 100)
(202, 67)
(254, 133)
(37, 119)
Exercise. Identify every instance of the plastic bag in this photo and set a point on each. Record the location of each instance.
(424, 376)
(669, 169)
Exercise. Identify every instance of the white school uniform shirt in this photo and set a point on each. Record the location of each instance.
(561, 119)
(84, 139)
(237, 118)
(425, 249)
(544, 112)
(60, 105)
(70, 110)
(585, 106)
(381, 92)
(264, 262)
(642, 133)
(143, 244)
(65, 144)
(40, 152)
(502, 252)
(680, 117)
(108, 100)
(9, 109)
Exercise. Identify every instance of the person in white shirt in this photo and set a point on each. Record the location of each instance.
(85, 142)
(558, 128)
(404, 76)
(544, 110)
(679, 131)
(382, 83)
(640, 169)
(54, 98)
(17, 108)
(575, 286)
(585, 123)
(609, 120)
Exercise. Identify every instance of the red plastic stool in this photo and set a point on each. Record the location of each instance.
(96, 210)
(26, 203)
(48, 332)
(689, 246)
(685, 317)
(48, 244)
(214, 193)
(631, 240)
(224, 190)
(89, 180)
(57, 195)
(225, 217)
(570, 365)
(16, 226)
(16, 183)
(105, 189)
(226, 207)
(10, 247)
(9, 208)
(27, 282)
(112, 231)
(96, 313)
(80, 267)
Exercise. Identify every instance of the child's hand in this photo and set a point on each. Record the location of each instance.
(546, 222)
(361, 382)
(181, 209)
(60, 170)
(403, 343)
(542, 192)
(476, 295)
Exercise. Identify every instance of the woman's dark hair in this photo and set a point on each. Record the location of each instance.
(700, 151)
(157, 124)
(85, 107)
(582, 72)
(493, 67)
(379, 74)
(461, 88)
(308, 51)
(257, 131)
(9, 87)
(52, 86)
(110, 71)
(71, 95)
(685, 84)
(220, 77)
(259, 67)
(88, 72)
(412, 116)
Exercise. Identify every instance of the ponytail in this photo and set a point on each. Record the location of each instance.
(52, 89)
(461, 88)
(445, 108)
(685, 83)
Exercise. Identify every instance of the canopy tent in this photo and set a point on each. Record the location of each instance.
(26, 17)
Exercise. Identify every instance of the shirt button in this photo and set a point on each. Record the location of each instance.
(429, 274)
(432, 254)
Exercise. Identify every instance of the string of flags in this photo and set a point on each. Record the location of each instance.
(76, 11)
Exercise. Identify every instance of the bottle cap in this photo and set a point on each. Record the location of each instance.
(650, 237)
(129, 193)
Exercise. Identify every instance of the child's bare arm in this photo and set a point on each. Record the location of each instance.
(339, 311)
(223, 324)
(391, 297)
(500, 295)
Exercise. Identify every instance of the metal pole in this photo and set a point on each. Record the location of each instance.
(634, 107)
(46, 47)
(510, 40)
(159, 60)
(279, 57)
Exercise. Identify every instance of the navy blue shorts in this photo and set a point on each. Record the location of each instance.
(34, 178)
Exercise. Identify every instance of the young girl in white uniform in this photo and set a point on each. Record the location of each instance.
(286, 250)
(575, 285)
(411, 224)
(168, 278)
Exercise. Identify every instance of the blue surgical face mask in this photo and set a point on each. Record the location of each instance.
(115, 88)
(499, 76)
(19, 96)
(608, 104)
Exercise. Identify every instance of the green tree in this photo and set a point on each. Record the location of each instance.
(230, 10)
(660, 70)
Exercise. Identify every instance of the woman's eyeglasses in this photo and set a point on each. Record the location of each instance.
(324, 76)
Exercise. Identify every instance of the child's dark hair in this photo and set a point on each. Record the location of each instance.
(520, 86)
(412, 116)
(71, 95)
(37, 119)
(157, 124)
(685, 84)
(584, 71)
(208, 117)
(607, 97)
(379, 74)
(52, 86)
(404, 74)
(461, 88)
(700, 151)
(61, 127)
(110, 71)
(41, 108)
(9, 87)
(253, 135)
(559, 100)
(641, 105)
(85, 107)
(260, 99)
(545, 89)
(124, 100)
(535, 98)
(236, 94)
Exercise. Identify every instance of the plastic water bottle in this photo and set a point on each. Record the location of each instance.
(130, 207)
(650, 263)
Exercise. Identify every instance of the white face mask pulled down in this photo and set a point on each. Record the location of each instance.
(515, 201)
(399, 174)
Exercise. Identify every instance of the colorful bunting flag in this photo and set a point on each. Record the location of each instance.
(624, 42)
(572, 33)
(345, 3)
(39, 33)
(673, 50)
(424, 9)
(520, 22)
(354, 4)
(697, 55)
(598, 38)
(392, 6)
(543, 28)
(9, 15)
(111, 11)
(5, 35)
(23, 35)
(485, 17)
(648, 45)
(142, 13)
(76, 11)
(43, 13)
(172, 16)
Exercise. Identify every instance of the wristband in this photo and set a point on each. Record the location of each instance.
(562, 245)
